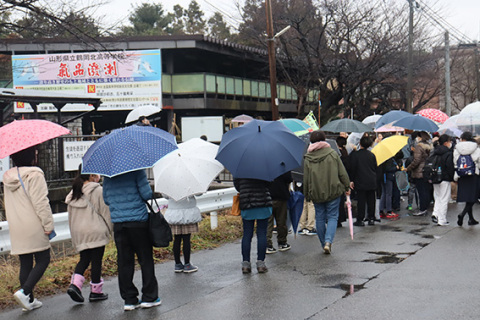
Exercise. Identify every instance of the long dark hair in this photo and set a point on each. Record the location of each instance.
(77, 184)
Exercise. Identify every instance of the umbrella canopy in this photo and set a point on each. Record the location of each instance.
(390, 117)
(417, 122)
(144, 111)
(472, 107)
(187, 171)
(346, 125)
(297, 126)
(434, 115)
(22, 134)
(389, 147)
(450, 127)
(127, 149)
(389, 128)
(372, 120)
(295, 205)
(260, 150)
(242, 118)
(467, 121)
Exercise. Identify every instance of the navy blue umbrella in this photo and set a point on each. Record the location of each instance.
(417, 123)
(260, 150)
(390, 117)
(127, 149)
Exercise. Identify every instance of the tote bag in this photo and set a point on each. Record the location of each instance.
(158, 228)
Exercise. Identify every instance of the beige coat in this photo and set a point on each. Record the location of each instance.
(89, 218)
(28, 216)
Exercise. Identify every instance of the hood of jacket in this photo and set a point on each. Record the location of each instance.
(320, 153)
(441, 150)
(425, 146)
(466, 147)
(11, 179)
(87, 189)
(318, 145)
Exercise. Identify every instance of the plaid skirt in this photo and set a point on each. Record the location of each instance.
(184, 228)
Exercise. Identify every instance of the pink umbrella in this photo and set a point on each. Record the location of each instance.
(350, 218)
(434, 115)
(22, 134)
(242, 118)
(389, 128)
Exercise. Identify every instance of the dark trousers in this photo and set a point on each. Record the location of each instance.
(279, 213)
(248, 227)
(132, 239)
(424, 192)
(342, 214)
(186, 247)
(30, 275)
(94, 256)
(365, 197)
(468, 210)
(395, 196)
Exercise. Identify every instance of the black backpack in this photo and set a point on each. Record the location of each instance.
(432, 171)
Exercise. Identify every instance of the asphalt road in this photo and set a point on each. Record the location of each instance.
(403, 269)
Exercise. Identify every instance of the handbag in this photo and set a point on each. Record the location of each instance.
(236, 205)
(159, 230)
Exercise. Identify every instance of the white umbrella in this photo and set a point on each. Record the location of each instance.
(144, 111)
(472, 107)
(372, 120)
(187, 171)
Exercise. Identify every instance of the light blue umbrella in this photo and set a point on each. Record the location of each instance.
(390, 117)
(417, 123)
(260, 150)
(127, 149)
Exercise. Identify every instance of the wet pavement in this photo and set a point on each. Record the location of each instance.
(403, 269)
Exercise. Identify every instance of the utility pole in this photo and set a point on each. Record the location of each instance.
(271, 59)
(448, 102)
(410, 60)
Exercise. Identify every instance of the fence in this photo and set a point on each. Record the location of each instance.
(208, 202)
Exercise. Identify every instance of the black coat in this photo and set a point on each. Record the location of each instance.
(279, 187)
(363, 170)
(253, 193)
(446, 162)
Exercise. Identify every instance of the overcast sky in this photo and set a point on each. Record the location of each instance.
(464, 15)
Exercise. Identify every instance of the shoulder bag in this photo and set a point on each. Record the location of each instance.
(158, 228)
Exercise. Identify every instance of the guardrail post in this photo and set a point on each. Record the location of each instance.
(213, 220)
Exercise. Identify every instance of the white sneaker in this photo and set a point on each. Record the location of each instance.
(35, 305)
(155, 303)
(23, 300)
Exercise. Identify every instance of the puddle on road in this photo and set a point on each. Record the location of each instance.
(388, 257)
(391, 228)
(348, 288)
(421, 244)
(428, 236)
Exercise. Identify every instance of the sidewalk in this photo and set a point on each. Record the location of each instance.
(404, 269)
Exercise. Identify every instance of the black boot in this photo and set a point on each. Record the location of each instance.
(460, 220)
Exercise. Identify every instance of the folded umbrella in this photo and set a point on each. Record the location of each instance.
(188, 170)
(260, 150)
(388, 148)
(22, 134)
(350, 216)
(295, 205)
(127, 149)
(346, 125)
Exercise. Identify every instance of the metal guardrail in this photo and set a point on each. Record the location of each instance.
(208, 202)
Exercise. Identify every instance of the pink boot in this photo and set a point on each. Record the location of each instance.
(75, 289)
(96, 293)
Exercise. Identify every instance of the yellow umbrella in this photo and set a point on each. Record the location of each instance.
(389, 147)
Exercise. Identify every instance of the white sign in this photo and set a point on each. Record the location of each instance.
(194, 127)
(123, 79)
(4, 166)
(73, 152)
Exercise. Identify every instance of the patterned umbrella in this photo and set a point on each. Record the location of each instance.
(127, 149)
(297, 126)
(434, 114)
(22, 134)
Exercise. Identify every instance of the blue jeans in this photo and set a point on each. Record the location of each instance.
(326, 216)
(248, 226)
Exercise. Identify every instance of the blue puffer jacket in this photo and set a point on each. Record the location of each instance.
(125, 195)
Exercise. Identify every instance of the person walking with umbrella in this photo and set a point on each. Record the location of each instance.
(126, 194)
(30, 221)
(91, 229)
(325, 180)
(255, 205)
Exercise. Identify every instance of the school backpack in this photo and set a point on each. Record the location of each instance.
(432, 171)
(465, 165)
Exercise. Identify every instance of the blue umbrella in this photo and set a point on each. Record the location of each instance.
(390, 117)
(295, 206)
(127, 149)
(260, 150)
(417, 122)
